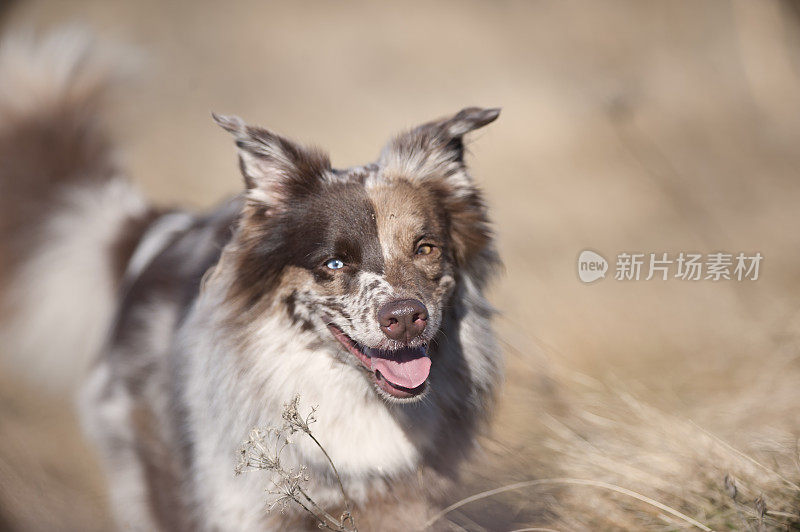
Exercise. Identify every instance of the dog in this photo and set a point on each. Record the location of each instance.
(358, 291)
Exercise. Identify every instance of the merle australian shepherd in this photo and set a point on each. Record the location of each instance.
(360, 290)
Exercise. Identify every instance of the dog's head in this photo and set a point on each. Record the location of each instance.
(366, 257)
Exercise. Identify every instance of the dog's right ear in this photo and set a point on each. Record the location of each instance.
(273, 167)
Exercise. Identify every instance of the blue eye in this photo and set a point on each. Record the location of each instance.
(334, 264)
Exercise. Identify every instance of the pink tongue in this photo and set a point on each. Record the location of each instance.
(408, 368)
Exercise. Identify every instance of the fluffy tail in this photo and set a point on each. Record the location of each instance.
(68, 220)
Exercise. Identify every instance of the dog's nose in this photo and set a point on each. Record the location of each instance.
(403, 319)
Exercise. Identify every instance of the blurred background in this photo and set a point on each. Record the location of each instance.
(626, 127)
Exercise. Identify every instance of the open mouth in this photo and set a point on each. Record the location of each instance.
(401, 373)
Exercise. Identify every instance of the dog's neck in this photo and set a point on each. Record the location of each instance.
(371, 442)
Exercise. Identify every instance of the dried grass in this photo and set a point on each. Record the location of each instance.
(602, 458)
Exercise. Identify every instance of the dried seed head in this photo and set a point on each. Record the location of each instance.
(294, 420)
(262, 451)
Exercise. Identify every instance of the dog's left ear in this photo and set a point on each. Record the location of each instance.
(436, 149)
(433, 155)
(274, 168)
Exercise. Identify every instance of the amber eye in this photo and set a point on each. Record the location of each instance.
(424, 249)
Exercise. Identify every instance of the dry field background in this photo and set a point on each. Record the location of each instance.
(626, 126)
